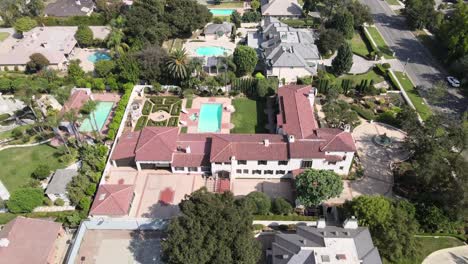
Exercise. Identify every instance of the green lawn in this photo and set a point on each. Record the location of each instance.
(249, 116)
(188, 103)
(3, 36)
(392, 2)
(19, 163)
(357, 78)
(427, 245)
(233, 4)
(358, 45)
(380, 42)
(421, 107)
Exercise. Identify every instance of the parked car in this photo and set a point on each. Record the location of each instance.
(454, 82)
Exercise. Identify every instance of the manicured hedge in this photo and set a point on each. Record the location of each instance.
(285, 217)
(364, 113)
(173, 121)
(95, 19)
(119, 111)
(141, 123)
(156, 123)
(157, 100)
(147, 108)
(166, 108)
(176, 109)
(171, 100)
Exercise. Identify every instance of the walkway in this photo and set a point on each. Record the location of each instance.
(362, 65)
(455, 255)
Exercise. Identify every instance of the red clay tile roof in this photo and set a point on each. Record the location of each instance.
(337, 140)
(112, 199)
(247, 147)
(156, 144)
(199, 155)
(190, 160)
(333, 158)
(31, 240)
(126, 145)
(76, 101)
(308, 149)
(296, 115)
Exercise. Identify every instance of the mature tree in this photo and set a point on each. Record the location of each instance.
(339, 113)
(361, 13)
(75, 71)
(24, 24)
(37, 63)
(41, 172)
(453, 32)
(329, 41)
(10, 11)
(109, 8)
(255, 5)
(460, 68)
(25, 200)
(115, 42)
(245, 59)
(236, 19)
(258, 202)
(176, 64)
(419, 13)
(127, 68)
(185, 16)
(309, 6)
(84, 36)
(371, 211)
(251, 16)
(262, 87)
(281, 206)
(212, 228)
(151, 62)
(315, 186)
(104, 68)
(344, 22)
(343, 61)
(5, 85)
(35, 7)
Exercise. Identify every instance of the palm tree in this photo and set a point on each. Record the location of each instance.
(88, 109)
(53, 121)
(114, 42)
(177, 64)
(195, 65)
(72, 117)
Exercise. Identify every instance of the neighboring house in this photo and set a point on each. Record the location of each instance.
(281, 8)
(288, 52)
(349, 244)
(57, 187)
(112, 200)
(216, 31)
(25, 240)
(67, 8)
(299, 145)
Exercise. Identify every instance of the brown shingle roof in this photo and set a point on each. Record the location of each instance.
(30, 240)
(112, 199)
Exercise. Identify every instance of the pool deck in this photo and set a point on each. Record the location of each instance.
(192, 125)
(83, 54)
(107, 97)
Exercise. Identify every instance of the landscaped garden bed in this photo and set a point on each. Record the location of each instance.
(380, 43)
(169, 104)
(421, 107)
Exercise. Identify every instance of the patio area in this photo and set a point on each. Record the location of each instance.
(192, 116)
(83, 55)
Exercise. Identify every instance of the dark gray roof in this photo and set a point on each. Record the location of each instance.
(225, 27)
(60, 180)
(65, 8)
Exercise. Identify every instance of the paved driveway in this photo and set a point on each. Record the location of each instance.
(455, 255)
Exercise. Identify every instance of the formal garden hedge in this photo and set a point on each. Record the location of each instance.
(141, 123)
(157, 123)
(147, 108)
(119, 111)
(173, 121)
(94, 19)
(158, 107)
(176, 109)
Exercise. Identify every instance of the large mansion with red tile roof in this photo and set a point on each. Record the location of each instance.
(299, 144)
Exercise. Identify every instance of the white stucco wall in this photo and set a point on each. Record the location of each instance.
(290, 74)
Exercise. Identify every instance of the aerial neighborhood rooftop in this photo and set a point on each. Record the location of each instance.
(257, 132)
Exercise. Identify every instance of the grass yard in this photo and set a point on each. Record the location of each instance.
(392, 2)
(380, 42)
(249, 116)
(173, 44)
(427, 245)
(357, 78)
(358, 45)
(421, 107)
(19, 163)
(4, 35)
(233, 4)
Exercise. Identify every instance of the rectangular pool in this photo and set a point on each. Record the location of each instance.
(101, 114)
(221, 12)
(210, 118)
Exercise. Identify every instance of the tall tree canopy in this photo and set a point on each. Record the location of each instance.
(24, 24)
(419, 13)
(453, 32)
(343, 21)
(84, 36)
(213, 228)
(315, 186)
(343, 61)
(245, 59)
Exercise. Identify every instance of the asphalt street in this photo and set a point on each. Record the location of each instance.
(420, 66)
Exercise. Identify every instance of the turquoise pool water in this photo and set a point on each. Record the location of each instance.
(221, 12)
(209, 51)
(98, 56)
(210, 118)
(101, 113)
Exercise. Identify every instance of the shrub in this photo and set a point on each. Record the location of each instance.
(173, 121)
(141, 123)
(157, 100)
(147, 108)
(95, 19)
(258, 227)
(281, 206)
(25, 200)
(166, 108)
(41, 172)
(364, 113)
(119, 112)
(258, 202)
(176, 109)
(84, 36)
(85, 203)
(4, 117)
(386, 65)
(59, 202)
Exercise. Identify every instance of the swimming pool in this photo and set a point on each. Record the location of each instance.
(98, 56)
(210, 118)
(221, 12)
(209, 51)
(101, 113)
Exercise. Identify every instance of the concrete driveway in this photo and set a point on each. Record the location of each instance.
(455, 255)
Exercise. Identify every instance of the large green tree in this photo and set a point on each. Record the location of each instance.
(361, 13)
(212, 228)
(343, 61)
(453, 32)
(185, 16)
(245, 59)
(343, 21)
(37, 63)
(25, 200)
(419, 13)
(315, 186)
(24, 24)
(84, 36)
(258, 202)
(177, 64)
(329, 41)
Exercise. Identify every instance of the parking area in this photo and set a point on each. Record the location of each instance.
(273, 188)
(119, 246)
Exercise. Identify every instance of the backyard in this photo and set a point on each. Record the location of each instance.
(380, 42)
(170, 106)
(228, 4)
(19, 163)
(249, 116)
(421, 107)
(357, 78)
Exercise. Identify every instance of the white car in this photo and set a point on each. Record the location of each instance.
(454, 82)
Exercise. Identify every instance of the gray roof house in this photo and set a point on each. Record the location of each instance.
(67, 8)
(218, 30)
(57, 187)
(288, 52)
(281, 8)
(325, 244)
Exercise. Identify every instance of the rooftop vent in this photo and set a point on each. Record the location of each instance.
(350, 223)
(266, 142)
(321, 223)
(340, 256)
(291, 139)
(4, 242)
(78, 2)
(188, 150)
(102, 196)
(325, 258)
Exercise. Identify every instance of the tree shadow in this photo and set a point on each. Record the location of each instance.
(146, 246)
(458, 259)
(161, 210)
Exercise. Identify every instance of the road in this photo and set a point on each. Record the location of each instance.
(421, 67)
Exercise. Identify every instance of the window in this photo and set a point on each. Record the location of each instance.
(192, 169)
(218, 163)
(256, 172)
(242, 162)
(227, 163)
(280, 172)
(306, 164)
(262, 162)
(283, 162)
(205, 169)
(269, 172)
(246, 171)
(332, 163)
(289, 172)
(239, 171)
(179, 168)
(341, 167)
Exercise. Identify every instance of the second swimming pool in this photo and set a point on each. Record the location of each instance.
(210, 118)
(101, 114)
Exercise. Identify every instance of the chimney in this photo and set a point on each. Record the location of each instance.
(321, 223)
(347, 128)
(4, 242)
(188, 150)
(266, 142)
(350, 223)
(291, 139)
(78, 2)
